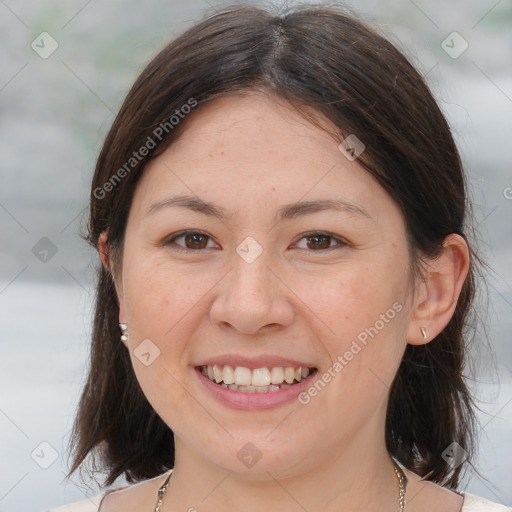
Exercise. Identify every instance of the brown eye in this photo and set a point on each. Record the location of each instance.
(192, 240)
(318, 241)
(195, 240)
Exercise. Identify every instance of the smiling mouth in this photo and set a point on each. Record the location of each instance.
(258, 380)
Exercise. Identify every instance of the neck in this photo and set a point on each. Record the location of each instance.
(361, 476)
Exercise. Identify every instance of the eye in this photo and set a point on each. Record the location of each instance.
(193, 240)
(318, 241)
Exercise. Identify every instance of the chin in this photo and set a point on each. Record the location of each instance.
(258, 458)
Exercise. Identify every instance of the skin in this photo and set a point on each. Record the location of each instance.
(251, 154)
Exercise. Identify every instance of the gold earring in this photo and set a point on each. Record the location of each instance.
(423, 331)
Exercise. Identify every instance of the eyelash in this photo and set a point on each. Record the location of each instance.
(311, 234)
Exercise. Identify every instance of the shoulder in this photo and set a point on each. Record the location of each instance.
(474, 503)
(120, 498)
(88, 505)
(139, 496)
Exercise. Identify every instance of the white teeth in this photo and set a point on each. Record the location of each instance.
(242, 376)
(259, 380)
(289, 374)
(277, 375)
(228, 375)
(217, 372)
(260, 377)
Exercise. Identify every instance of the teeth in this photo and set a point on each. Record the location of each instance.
(289, 374)
(259, 380)
(217, 373)
(260, 377)
(228, 375)
(242, 376)
(277, 375)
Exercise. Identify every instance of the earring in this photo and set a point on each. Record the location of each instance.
(423, 331)
(124, 330)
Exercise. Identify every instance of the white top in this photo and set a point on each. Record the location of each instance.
(472, 503)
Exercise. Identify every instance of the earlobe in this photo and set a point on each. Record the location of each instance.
(440, 290)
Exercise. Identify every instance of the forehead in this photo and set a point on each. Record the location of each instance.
(244, 150)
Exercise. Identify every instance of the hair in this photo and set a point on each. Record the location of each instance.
(324, 61)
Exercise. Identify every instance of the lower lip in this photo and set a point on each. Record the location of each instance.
(241, 400)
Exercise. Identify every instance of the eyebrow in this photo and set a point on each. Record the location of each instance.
(286, 212)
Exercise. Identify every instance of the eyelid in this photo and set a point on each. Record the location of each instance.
(171, 240)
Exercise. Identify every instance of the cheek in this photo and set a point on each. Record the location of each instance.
(353, 299)
(158, 295)
(160, 304)
(363, 308)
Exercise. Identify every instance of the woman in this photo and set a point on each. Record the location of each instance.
(281, 216)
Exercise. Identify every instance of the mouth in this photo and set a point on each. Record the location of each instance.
(258, 380)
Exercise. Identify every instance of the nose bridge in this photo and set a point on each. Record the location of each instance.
(251, 295)
(252, 282)
(251, 274)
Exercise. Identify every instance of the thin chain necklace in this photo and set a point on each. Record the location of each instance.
(402, 486)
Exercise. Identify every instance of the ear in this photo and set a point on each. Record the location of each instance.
(436, 297)
(104, 251)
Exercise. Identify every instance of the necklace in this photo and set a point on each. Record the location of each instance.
(402, 486)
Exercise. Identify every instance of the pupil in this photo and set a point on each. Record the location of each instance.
(321, 237)
(194, 239)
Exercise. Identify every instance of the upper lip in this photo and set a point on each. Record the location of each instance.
(253, 362)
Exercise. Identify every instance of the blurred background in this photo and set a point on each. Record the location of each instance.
(65, 69)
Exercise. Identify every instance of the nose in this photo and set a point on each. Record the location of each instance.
(252, 298)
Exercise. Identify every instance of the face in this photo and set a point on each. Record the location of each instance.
(244, 276)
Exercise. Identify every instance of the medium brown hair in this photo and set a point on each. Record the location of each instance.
(321, 60)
